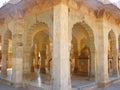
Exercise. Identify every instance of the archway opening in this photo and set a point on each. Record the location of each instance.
(9, 57)
(41, 60)
(0, 53)
(119, 54)
(6, 62)
(112, 51)
(82, 56)
(40, 56)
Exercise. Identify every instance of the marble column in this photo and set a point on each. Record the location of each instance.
(101, 42)
(43, 58)
(60, 62)
(92, 64)
(17, 51)
(4, 56)
(4, 64)
(27, 65)
(17, 60)
(115, 58)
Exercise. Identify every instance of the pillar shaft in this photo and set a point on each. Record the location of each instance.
(4, 56)
(43, 58)
(17, 51)
(60, 62)
(4, 65)
(92, 64)
(101, 42)
(27, 65)
(17, 65)
(17, 61)
(115, 57)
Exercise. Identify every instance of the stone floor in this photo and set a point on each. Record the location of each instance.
(6, 87)
(77, 82)
(81, 82)
(115, 86)
(44, 81)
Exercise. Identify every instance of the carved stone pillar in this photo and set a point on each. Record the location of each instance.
(17, 59)
(43, 58)
(92, 63)
(115, 58)
(101, 42)
(4, 56)
(60, 61)
(27, 65)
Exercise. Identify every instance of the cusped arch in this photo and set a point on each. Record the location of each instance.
(36, 28)
(89, 33)
(87, 30)
(113, 47)
(111, 33)
(41, 35)
(113, 52)
(112, 37)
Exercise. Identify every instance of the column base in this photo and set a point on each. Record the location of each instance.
(102, 84)
(11, 83)
(27, 76)
(17, 85)
(115, 74)
(4, 74)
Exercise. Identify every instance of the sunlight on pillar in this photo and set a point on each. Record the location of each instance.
(38, 78)
(39, 81)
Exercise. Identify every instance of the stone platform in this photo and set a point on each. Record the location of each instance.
(43, 82)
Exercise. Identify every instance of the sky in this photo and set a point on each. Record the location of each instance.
(113, 1)
(2, 2)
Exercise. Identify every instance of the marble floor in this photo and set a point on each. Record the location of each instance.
(40, 80)
(44, 81)
(7, 87)
(79, 82)
(114, 86)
